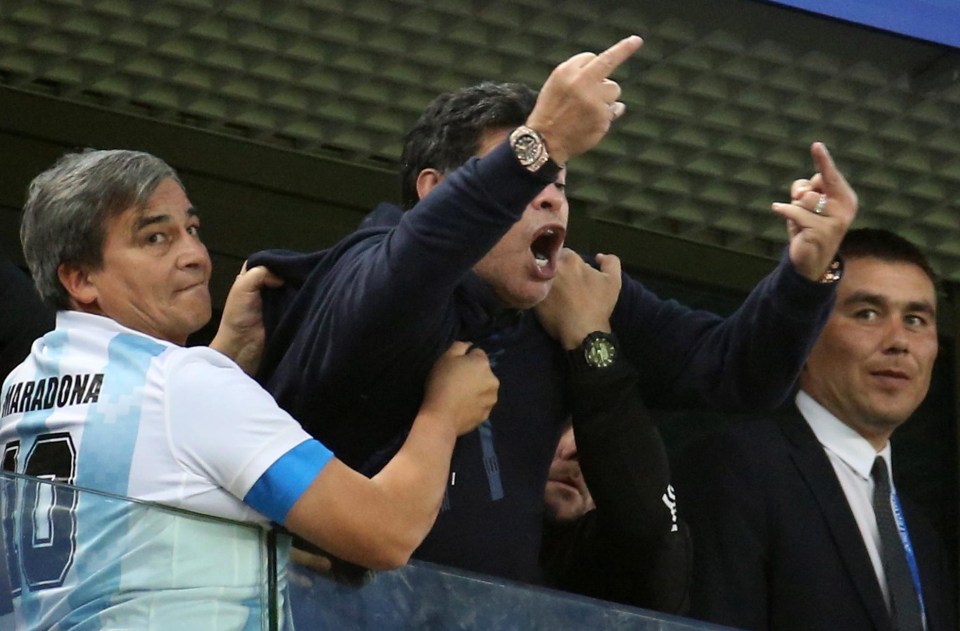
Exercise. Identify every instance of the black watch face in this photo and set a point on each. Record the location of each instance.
(527, 148)
(600, 352)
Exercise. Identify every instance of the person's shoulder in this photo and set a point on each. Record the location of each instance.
(204, 377)
(383, 216)
(197, 358)
(748, 432)
(299, 269)
(742, 463)
(758, 428)
(743, 445)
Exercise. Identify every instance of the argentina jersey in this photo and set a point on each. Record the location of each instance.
(92, 407)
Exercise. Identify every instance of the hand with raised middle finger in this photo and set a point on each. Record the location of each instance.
(578, 101)
(818, 215)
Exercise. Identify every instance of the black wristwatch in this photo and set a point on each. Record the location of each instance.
(597, 351)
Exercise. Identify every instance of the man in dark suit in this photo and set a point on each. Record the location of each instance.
(785, 530)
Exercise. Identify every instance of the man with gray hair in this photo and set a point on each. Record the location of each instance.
(112, 401)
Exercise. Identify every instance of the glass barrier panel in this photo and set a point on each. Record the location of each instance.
(77, 558)
(426, 597)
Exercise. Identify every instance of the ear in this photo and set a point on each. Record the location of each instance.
(427, 181)
(76, 280)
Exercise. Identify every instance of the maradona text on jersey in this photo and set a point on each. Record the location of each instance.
(27, 396)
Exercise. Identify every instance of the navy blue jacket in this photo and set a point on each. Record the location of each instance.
(353, 333)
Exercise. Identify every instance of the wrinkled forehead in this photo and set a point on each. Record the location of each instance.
(123, 224)
(167, 200)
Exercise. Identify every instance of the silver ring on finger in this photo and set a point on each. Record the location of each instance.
(821, 204)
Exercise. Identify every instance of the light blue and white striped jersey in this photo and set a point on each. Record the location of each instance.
(108, 408)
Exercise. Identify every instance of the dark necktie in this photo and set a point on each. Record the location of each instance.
(905, 606)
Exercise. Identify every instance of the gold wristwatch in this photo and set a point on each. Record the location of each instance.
(528, 146)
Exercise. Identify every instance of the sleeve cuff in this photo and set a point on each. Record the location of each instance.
(280, 486)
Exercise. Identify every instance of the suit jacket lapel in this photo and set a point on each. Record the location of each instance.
(815, 468)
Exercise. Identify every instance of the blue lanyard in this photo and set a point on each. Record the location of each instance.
(911, 557)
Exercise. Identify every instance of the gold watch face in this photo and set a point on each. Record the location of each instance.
(600, 352)
(528, 147)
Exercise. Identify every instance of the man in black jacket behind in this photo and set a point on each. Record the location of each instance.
(627, 546)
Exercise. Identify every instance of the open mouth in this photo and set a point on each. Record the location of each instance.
(546, 243)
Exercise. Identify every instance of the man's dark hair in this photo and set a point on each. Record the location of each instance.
(451, 129)
(885, 246)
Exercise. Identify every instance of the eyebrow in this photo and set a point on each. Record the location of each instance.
(146, 220)
(922, 306)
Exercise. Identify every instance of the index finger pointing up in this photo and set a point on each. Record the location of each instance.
(603, 65)
(832, 178)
